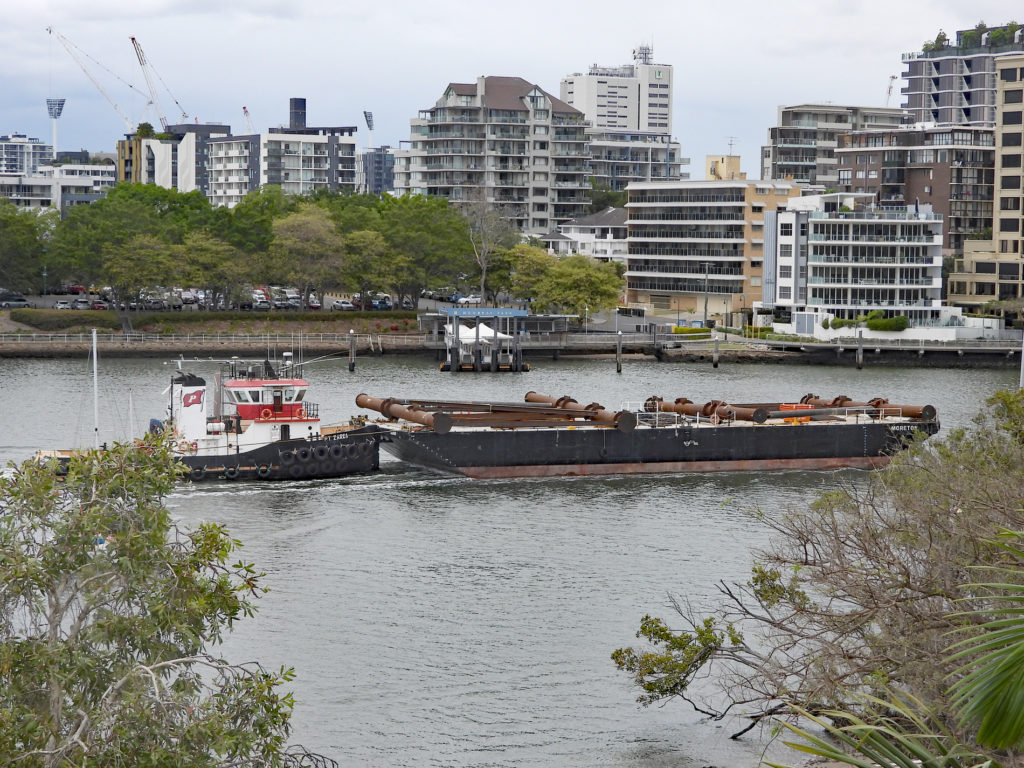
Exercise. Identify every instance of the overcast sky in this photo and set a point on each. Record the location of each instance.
(735, 62)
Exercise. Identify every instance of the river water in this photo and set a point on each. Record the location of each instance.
(435, 620)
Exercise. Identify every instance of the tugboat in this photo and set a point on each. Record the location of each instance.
(255, 423)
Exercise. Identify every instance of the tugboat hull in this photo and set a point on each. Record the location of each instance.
(348, 453)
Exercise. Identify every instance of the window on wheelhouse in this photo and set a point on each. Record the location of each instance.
(254, 395)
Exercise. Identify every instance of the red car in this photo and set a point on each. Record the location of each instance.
(99, 305)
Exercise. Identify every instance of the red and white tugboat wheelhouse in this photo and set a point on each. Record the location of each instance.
(256, 423)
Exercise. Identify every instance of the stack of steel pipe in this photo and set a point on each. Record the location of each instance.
(442, 415)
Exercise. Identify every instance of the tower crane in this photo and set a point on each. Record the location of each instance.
(248, 121)
(888, 94)
(145, 66)
(73, 52)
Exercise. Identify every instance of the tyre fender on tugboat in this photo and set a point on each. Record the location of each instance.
(231, 472)
(197, 473)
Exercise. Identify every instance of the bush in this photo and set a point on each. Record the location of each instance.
(63, 319)
(897, 323)
(825, 324)
(686, 330)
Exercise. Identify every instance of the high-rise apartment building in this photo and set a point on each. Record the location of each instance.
(948, 168)
(20, 154)
(956, 84)
(802, 145)
(176, 158)
(697, 244)
(629, 109)
(990, 271)
(300, 159)
(375, 170)
(505, 142)
(842, 256)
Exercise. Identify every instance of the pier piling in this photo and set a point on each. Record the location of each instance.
(351, 350)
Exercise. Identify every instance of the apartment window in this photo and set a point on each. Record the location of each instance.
(1012, 118)
(540, 130)
(1009, 204)
(540, 114)
(785, 251)
(785, 292)
(872, 174)
(860, 175)
(785, 272)
(544, 161)
(1016, 96)
(845, 176)
(1011, 161)
(927, 190)
(786, 229)
(1009, 182)
(540, 145)
(1009, 225)
(1011, 139)
(1008, 75)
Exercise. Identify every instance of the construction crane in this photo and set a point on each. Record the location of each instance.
(888, 94)
(73, 52)
(248, 122)
(145, 66)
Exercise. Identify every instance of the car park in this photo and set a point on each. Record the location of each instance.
(343, 305)
(383, 303)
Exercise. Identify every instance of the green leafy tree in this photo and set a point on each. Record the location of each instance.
(139, 264)
(363, 268)
(214, 264)
(250, 225)
(528, 265)
(602, 196)
(579, 284)
(109, 614)
(858, 594)
(432, 235)
(23, 240)
(306, 250)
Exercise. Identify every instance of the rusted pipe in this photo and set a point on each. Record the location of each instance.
(393, 409)
(625, 421)
(883, 405)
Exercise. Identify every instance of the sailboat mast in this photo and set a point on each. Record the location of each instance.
(95, 395)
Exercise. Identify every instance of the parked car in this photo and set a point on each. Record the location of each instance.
(99, 305)
(474, 299)
(383, 304)
(407, 303)
(261, 306)
(151, 302)
(12, 300)
(81, 304)
(343, 305)
(62, 304)
(313, 302)
(282, 304)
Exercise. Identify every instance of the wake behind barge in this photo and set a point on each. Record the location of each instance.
(547, 436)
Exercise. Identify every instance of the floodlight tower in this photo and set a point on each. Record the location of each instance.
(368, 116)
(54, 107)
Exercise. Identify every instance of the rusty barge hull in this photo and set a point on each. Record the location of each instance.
(484, 453)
